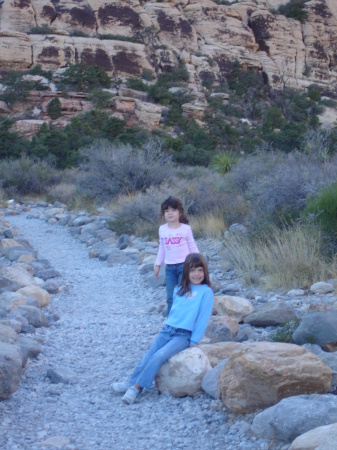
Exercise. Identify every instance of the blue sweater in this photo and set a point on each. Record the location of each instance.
(192, 311)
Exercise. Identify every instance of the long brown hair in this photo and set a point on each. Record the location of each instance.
(175, 203)
(192, 261)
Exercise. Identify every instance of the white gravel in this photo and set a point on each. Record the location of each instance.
(104, 329)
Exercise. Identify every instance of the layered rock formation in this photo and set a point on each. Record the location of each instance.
(206, 36)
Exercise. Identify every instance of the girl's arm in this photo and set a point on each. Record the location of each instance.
(205, 311)
(161, 252)
(192, 246)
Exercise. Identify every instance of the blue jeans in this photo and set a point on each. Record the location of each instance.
(169, 342)
(173, 274)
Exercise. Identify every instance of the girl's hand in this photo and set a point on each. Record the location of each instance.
(193, 345)
(156, 271)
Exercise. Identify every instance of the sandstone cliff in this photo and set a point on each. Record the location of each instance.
(208, 37)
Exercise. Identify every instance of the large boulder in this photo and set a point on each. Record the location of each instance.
(10, 369)
(41, 295)
(271, 314)
(10, 301)
(182, 374)
(221, 328)
(228, 305)
(317, 328)
(18, 274)
(320, 438)
(260, 374)
(218, 351)
(294, 416)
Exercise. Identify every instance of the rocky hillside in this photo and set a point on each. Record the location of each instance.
(126, 37)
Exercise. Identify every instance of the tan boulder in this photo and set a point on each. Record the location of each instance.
(18, 274)
(4, 110)
(182, 374)
(228, 305)
(41, 295)
(320, 438)
(148, 114)
(124, 105)
(194, 110)
(8, 243)
(10, 301)
(7, 334)
(218, 351)
(261, 374)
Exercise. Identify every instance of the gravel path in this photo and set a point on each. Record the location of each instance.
(104, 329)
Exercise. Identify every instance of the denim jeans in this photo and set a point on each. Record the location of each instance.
(169, 342)
(173, 274)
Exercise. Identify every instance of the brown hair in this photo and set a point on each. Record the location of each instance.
(175, 203)
(192, 261)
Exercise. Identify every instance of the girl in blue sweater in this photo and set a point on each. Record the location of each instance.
(185, 326)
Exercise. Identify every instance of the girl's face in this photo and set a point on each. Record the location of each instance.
(196, 275)
(171, 215)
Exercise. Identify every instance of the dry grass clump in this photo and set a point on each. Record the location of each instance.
(285, 258)
(209, 226)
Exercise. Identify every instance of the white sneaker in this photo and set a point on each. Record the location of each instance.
(130, 395)
(120, 387)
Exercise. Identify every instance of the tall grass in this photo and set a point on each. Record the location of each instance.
(285, 258)
(210, 226)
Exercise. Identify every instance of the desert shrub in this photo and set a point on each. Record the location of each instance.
(115, 169)
(137, 84)
(148, 74)
(83, 77)
(17, 89)
(159, 91)
(276, 184)
(79, 33)
(54, 108)
(295, 9)
(41, 29)
(37, 70)
(285, 333)
(272, 119)
(316, 144)
(11, 143)
(25, 176)
(119, 37)
(324, 209)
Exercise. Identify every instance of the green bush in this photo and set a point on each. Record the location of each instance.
(119, 37)
(159, 91)
(11, 143)
(137, 84)
(82, 77)
(295, 9)
(324, 208)
(41, 29)
(100, 98)
(17, 89)
(37, 70)
(79, 33)
(223, 162)
(285, 333)
(54, 108)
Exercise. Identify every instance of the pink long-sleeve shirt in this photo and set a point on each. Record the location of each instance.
(175, 244)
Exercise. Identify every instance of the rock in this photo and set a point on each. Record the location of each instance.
(36, 292)
(34, 315)
(323, 438)
(123, 241)
(7, 334)
(8, 285)
(210, 381)
(295, 415)
(227, 305)
(271, 314)
(219, 351)
(47, 273)
(61, 375)
(221, 328)
(317, 328)
(182, 374)
(148, 114)
(10, 301)
(330, 359)
(246, 385)
(29, 347)
(18, 274)
(10, 369)
(322, 288)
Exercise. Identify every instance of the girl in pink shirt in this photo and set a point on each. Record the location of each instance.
(175, 243)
